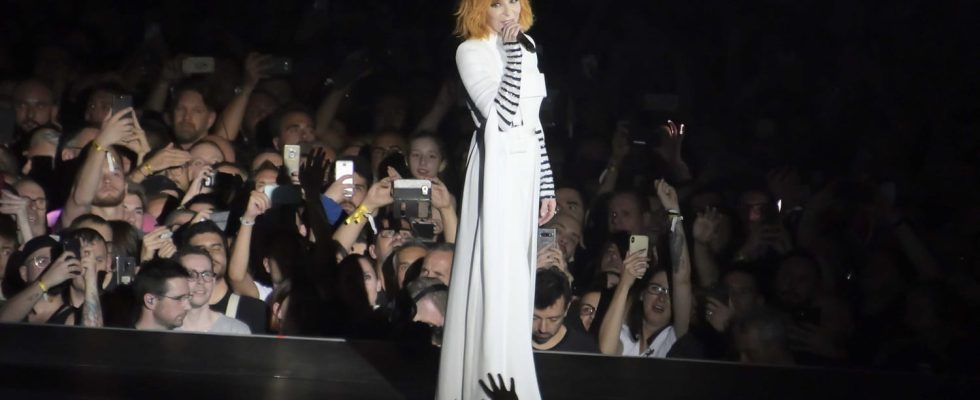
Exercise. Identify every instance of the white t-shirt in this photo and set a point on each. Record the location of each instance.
(658, 348)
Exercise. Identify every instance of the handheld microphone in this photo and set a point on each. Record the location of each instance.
(525, 42)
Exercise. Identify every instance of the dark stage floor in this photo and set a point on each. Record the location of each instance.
(44, 362)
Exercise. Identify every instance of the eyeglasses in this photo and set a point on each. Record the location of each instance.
(657, 290)
(389, 233)
(586, 310)
(39, 262)
(206, 276)
(181, 299)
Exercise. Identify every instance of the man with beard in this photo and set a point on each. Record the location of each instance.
(552, 296)
(34, 104)
(100, 185)
(192, 114)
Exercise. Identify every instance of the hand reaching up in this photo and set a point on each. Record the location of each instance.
(499, 391)
(667, 195)
(313, 171)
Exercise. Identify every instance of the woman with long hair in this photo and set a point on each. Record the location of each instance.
(508, 176)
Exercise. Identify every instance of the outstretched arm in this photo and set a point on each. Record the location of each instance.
(239, 279)
(680, 260)
(634, 266)
(230, 122)
(115, 129)
(19, 306)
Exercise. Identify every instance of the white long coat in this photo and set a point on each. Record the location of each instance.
(491, 299)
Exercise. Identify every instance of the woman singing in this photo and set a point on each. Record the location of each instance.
(488, 322)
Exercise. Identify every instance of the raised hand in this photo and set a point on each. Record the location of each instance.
(65, 267)
(499, 391)
(667, 195)
(168, 158)
(441, 198)
(635, 266)
(670, 145)
(547, 211)
(336, 189)
(256, 66)
(173, 70)
(509, 31)
(717, 314)
(154, 241)
(313, 171)
(168, 249)
(552, 256)
(116, 128)
(379, 195)
(197, 185)
(706, 225)
(258, 204)
(12, 204)
(137, 141)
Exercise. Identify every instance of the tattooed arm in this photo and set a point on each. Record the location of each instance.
(680, 261)
(91, 308)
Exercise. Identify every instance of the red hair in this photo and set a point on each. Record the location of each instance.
(471, 18)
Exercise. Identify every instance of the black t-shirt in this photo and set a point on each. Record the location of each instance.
(253, 312)
(576, 342)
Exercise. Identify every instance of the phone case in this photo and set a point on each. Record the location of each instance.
(345, 167)
(640, 242)
(290, 156)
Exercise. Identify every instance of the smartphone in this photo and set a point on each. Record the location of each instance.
(546, 236)
(125, 269)
(345, 167)
(269, 190)
(638, 243)
(413, 198)
(283, 195)
(121, 102)
(220, 218)
(280, 66)
(290, 157)
(73, 245)
(198, 65)
(8, 122)
(111, 162)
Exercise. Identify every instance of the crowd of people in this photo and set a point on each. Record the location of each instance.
(799, 207)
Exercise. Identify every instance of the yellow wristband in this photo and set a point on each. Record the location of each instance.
(44, 289)
(147, 169)
(358, 215)
(98, 147)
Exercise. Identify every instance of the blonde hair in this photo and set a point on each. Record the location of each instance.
(471, 18)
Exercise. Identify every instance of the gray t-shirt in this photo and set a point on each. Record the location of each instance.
(229, 325)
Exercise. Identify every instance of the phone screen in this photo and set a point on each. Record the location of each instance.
(346, 167)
